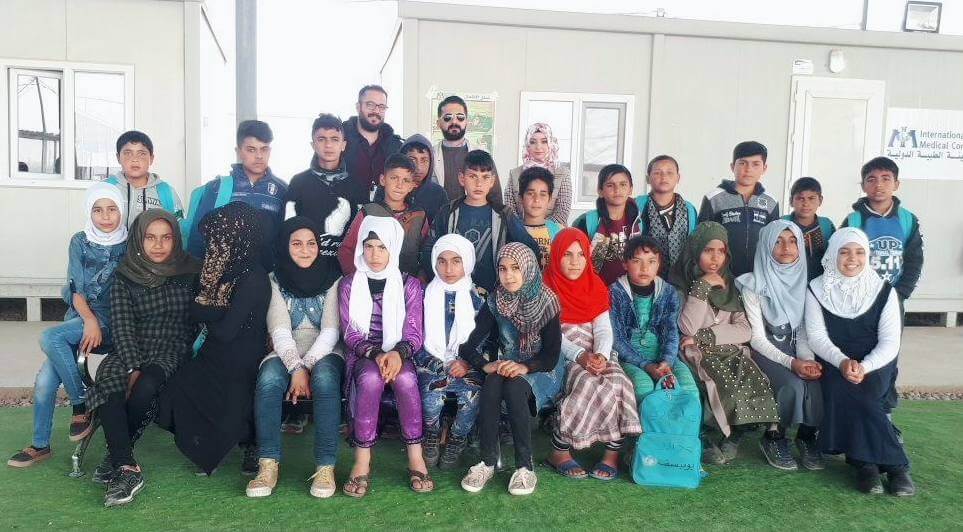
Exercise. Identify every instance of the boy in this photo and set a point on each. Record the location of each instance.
(807, 196)
(397, 182)
(251, 182)
(664, 214)
(741, 205)
(487, 225)
(612, 222)
(536, 185)
(428, 195)
(142, 189)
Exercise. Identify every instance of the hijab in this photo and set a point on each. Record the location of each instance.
(687, 270)
(533, 305)
(96, 192)
(781, 287)
(551, 160)
(583, 299)
(464, 322)
(360, 304)
(138, 267)
(846, 297)
(295, 280)
(232, 236)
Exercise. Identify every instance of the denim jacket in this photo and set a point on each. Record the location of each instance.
(664, 321)
(90, 273)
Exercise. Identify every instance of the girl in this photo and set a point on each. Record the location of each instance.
(714, 325)
(853, 323)
(208, 403)
(307, 360)
(774, 298)
(527, 375)
(382, 321)
(93, 255)
(440, 370)
(612, 222)
(541, 150)
(152, 335)
(599, 403)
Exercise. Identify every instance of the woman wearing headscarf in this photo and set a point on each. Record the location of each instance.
(715, 330)
(541, 149)
(599, 403)
(774, 295)
(208, 403)
(528, 373)
(307, 361)
(382, 323)
(853, 322)
(152, 334)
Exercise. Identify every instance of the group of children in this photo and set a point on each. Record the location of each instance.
(267, 293)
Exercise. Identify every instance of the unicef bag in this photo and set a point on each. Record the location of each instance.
(669, 451)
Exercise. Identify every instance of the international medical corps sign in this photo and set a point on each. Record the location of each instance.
(925, 143)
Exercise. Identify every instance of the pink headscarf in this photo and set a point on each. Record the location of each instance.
(551, 162)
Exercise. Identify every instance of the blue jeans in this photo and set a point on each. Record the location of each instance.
(273, 382)
(433, 400)
(59, 343)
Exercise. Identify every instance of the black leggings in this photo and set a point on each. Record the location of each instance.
(517, 395)
(125, 418)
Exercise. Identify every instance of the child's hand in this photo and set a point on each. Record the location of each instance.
(493, 367)
(687, 341)
(806, 369)
(714, 279)
(92, 335)
(852, 371)
(300, 386)
(390, 364)
(459, 368)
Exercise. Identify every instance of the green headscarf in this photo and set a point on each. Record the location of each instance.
(137, 267)
(686, 270)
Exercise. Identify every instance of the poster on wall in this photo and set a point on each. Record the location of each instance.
(925, 143)
(481, 117)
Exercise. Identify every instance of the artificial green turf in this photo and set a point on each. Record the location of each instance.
(745, 495)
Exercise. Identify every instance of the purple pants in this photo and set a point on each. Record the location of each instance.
(366, 402)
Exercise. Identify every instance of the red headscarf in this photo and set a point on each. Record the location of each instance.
(584, 298)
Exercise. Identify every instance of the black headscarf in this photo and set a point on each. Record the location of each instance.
(233, 237)
(298, 281)
(137, 267)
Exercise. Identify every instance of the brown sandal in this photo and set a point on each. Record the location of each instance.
(357, 487)
(425, 482)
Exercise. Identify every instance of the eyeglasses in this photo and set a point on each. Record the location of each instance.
(371, 106)
(448, 117)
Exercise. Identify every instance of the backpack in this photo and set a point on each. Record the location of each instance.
(164, 191)
(225, 189)
(855, 219)
(592, 217)
(669, 451)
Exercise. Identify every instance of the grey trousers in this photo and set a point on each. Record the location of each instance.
(798, 400)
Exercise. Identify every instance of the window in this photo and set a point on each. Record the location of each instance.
(593, 130)
(38, 121)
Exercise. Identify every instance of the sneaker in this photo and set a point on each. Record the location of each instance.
(711, 454)
(430, 448)
(478, 475)
(523, 482)
(29, 456)
(809, 456)
(104, 471)
(266, 479)
(778, 453)
(80, 427)
(868, 481)
(323, 485)
(453, 450)
(249, 462)
(295, 423)
(900, 483)
(123, 486)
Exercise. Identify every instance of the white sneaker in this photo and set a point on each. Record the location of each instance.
(478, 475)
(523, 482)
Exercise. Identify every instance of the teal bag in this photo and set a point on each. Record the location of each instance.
(669, 451)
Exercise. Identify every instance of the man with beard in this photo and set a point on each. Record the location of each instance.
(370, 142)
(451, 151)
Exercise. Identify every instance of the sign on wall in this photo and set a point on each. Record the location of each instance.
(925, 143)
(481, 117)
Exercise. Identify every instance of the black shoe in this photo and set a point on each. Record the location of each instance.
(295, 423)
(124, 486)
(809, 456)
(104, 471)
(453, 450)
(249, 465)
(430, 448)
(778, 453)
(729, 448)
(900, 483)
(868, 480)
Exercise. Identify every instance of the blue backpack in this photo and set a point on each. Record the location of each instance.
(855, 219)
(669, 451)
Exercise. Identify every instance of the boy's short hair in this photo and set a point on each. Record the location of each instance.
(535, 173)
(610, 170)
(658, 159)
(398, 160)
(879, 163)
(748, 149)
(254, 128)
(806, 184)
(327, 121)
(644, 243)
(452, 99)
(480, 161)
(136, 137)
(376, 88)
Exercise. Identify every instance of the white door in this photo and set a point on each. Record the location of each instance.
(835, 125)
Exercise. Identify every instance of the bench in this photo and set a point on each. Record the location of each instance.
(33, 289)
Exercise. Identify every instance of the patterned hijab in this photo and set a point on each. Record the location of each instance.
(138, 267)
(846, 297)
(233, 237)
(551, 161)
(303, 282)
(585, 298)
(96, 192)
(781, 287)
(533, 305)
(687, 271)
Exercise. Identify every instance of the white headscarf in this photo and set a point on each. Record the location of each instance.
(781, 287)
(96, 192)
(391, 234)
(464, 322)
(846, 297)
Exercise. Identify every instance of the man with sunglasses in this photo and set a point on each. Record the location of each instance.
(370, 141)
(451, 151)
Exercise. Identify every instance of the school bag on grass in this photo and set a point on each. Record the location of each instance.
(669, 451)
